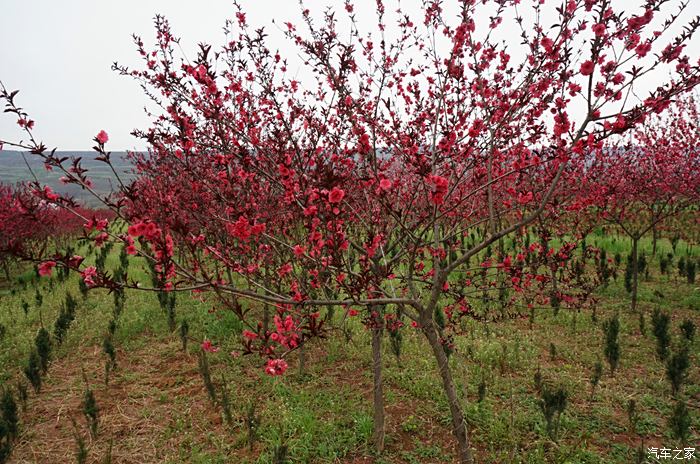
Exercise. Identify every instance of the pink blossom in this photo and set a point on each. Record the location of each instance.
(587, 68)
(336, 195)
(524, 198)
(89, 275)
(643, 49)
(310, 211)
(276, 367)
(599, 29)
(437, 195)
(49, 194)
(75, 261)
(249, 335)
(240, 229)
(208, 347)
(102, 137)
(46, 268)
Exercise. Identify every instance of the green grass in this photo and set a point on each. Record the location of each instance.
(325, 415)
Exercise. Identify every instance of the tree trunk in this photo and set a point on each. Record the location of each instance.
(266, 308)
(459, 426)
(654, 238)
(379, 429)
(266, 318)
(635, 269)
(554, 294)
(302, 360)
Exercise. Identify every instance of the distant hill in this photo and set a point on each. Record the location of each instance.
(14, 170)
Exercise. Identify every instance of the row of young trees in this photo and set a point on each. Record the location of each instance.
(391, 179)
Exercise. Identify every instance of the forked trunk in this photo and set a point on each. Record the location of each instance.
(635, 272)
(302, 360)
(378, 394)
(459, 426)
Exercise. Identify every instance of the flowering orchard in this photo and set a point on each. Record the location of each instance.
(649, 177)
(386, 184)
(31, 228)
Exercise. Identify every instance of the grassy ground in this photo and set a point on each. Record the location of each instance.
(155, 407)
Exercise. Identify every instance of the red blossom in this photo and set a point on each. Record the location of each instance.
(336, 195)
(49, 194)
(439, 188)
(587, 68)
(46, 268)
(276, 367)
(89, 275)
(208, 347)
(643, 49)
(249, 335)
(102, 137)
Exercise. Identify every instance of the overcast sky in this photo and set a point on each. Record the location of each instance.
(59, 53)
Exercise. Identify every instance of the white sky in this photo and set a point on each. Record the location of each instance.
(58, 53)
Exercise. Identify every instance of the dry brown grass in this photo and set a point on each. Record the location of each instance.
(152, 388)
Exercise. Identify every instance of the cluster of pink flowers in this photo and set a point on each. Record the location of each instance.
(49, 194)
(147, 229)
(243, 230)
(46, 268)
(97, 224)
(439, 188)
(89, 275)
(276, 367)
(208, 347)
(102, 137)
(286, 334)
(336, 195)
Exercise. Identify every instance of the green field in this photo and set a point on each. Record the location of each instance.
(155, 407)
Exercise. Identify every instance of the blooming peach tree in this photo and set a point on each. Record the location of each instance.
(377, 180)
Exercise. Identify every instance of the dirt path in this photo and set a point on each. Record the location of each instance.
(156, 410)
(154, 405)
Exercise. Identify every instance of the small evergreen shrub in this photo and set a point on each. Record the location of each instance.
(252, 424)
(690, 271)
(43, 348)
(184, 333)
(32, 371)
(91, 411)
(22, 394)
(206, 375)
(679, 422)
(611, 328)
(677, 369)
(81, 451)
(688, 330)
(660, 323)
(9, 413)
(552, 404)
